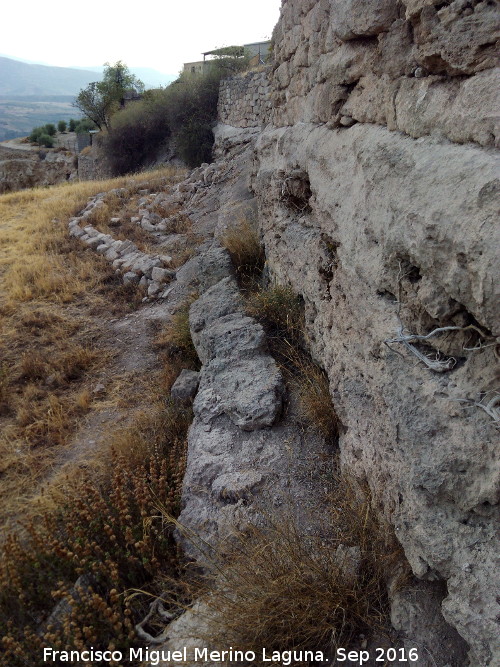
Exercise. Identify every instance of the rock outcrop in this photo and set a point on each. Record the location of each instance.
(21, 169)
(375, 182)
(384, 113)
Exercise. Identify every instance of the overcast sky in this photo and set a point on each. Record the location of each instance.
(148, 33)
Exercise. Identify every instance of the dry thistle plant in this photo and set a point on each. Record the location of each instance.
(108, 532)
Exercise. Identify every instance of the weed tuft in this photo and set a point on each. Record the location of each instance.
(281, 313)
(272, 586)
(176, 342)
(247, 252)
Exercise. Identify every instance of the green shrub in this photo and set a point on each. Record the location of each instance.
(50, 129)
(35, 133)
(139, 131)
(72, 124)
(46, 140)
(84, 125)
(186, 111)
(62, 126)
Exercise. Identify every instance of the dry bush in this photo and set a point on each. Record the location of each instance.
(281, 313)
(315, 405)
(275, 587)
(106, 527)
(247, 252)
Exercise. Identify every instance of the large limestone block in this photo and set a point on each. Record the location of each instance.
(249, 391)
(463, 111)
(221, 299)
(360, 18)
(233, 335)
(458, 39)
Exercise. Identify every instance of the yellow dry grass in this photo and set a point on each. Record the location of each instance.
(271, 585)
(53, 294)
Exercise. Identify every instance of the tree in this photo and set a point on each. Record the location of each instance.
(50, 129)
(72, 124)
(62, 125)
(84, 125)
(101, 99)
(45, 140)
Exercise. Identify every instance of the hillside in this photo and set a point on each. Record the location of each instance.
(252, 409)
(33, 95)
(21, 79)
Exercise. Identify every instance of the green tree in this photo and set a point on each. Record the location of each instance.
(84, 125)
(35, 133)
(62, 125)
(72, 124)
(46, 140)
(101, 99)
(50, 129)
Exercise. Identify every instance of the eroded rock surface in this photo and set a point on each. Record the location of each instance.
(376, 186)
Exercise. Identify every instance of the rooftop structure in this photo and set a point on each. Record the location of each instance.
(257, 51)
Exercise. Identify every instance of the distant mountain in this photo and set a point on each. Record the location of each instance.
(20, 79)
(151, 78)
(33, 94)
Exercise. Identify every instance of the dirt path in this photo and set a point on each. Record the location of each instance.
(15, 144)
(135, 363)
(65, 140)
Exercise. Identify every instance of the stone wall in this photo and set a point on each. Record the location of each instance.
(31, 169)
(376, 187)
(92, 165)
(377, 182)
(419, 66)
(244, 100)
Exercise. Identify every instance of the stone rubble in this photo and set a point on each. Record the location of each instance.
(136, 267)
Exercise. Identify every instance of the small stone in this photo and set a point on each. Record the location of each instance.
(347, 121)
(76, 231)
(186, 385)
(111, 254)
(93, 242)
(147, 226)
(99, 388)
(131, 277)
(419, 73)
(153, 288)
(160, 275)
(166, 293)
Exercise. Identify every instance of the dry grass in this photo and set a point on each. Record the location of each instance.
(97, 519)
(176, 342)
(281, 313)
(53, 296)
(247, 252)
(277, 588)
